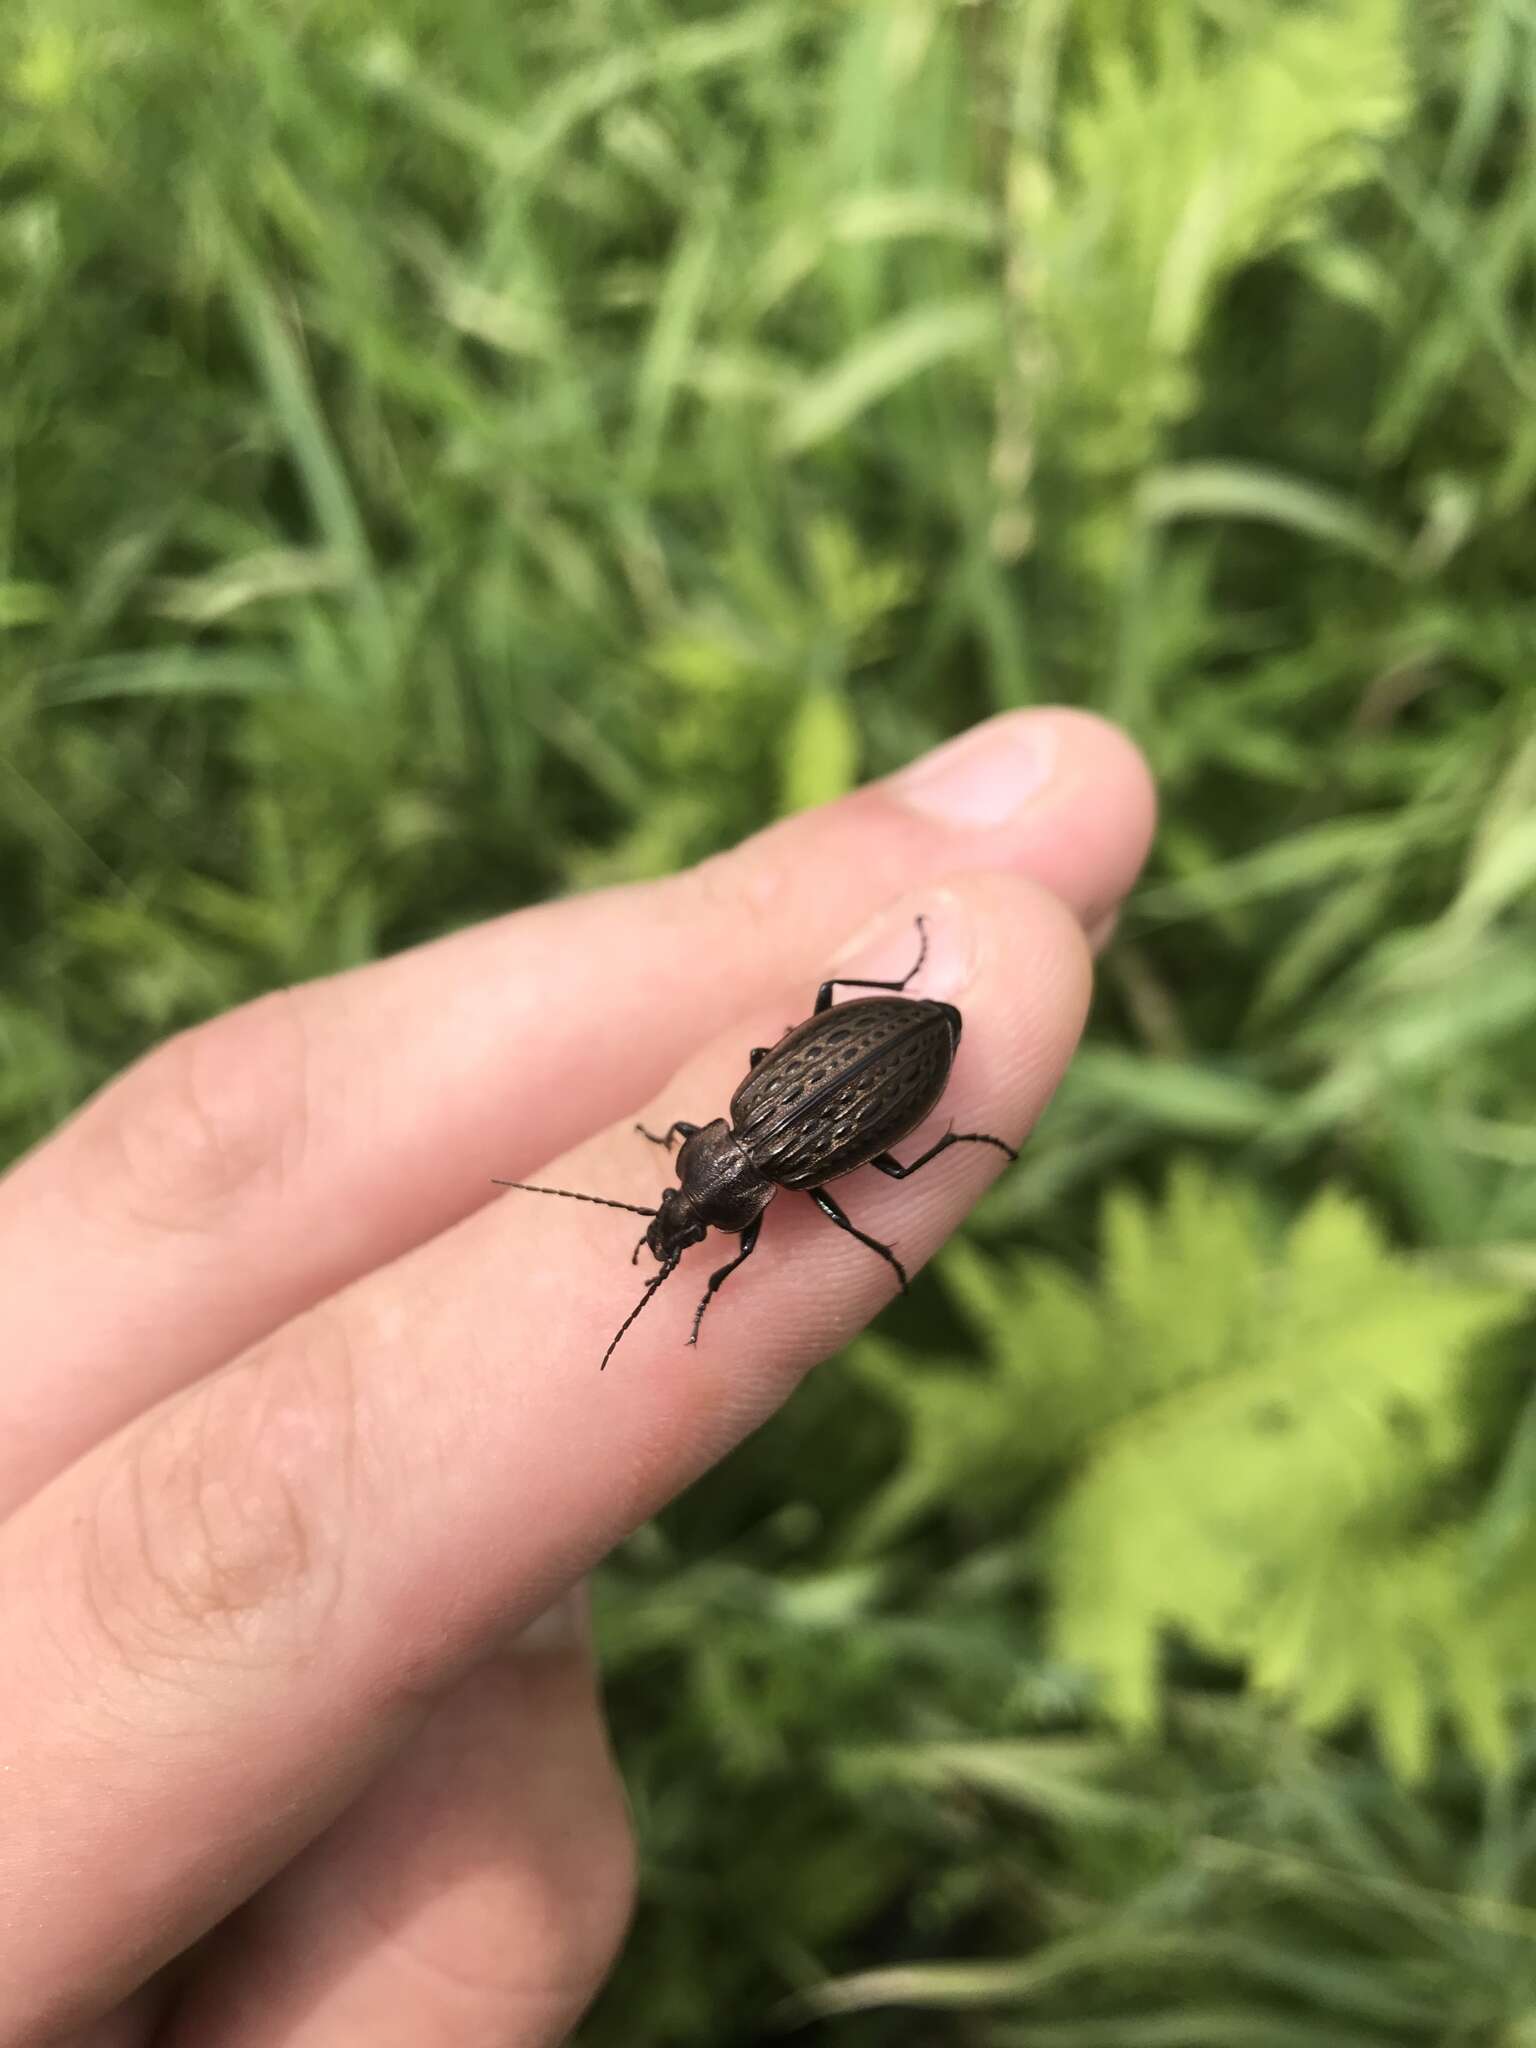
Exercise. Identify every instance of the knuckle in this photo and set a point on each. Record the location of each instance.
(219, 1534)
(209, 1121)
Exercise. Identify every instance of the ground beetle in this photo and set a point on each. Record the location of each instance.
(830, 1096)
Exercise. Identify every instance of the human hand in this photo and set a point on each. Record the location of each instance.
(303, 1448)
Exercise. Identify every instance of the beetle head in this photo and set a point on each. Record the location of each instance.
(676, 1226)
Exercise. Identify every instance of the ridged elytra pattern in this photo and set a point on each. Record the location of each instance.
(843, 1086)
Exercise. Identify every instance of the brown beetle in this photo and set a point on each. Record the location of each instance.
(831, 1096)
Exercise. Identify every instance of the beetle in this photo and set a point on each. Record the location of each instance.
(833, 1095)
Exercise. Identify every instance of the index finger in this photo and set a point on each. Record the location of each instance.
(258, 1163)
(246, 1596)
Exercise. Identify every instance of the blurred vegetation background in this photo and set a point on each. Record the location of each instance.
(452, 453)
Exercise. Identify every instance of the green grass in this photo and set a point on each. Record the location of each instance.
(451, 454)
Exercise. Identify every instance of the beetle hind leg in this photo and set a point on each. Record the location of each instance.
(885, 1163)
(716, 1279)
(824, 993)
(830, 1209)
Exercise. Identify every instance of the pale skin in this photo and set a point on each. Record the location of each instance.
(304, 1452)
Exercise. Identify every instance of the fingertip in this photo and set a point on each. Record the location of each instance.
(1052, 792)
(1105, 799)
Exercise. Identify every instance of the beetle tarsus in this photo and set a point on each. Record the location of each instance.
(884, 1162)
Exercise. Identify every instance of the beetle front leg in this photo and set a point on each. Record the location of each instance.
(676, 1131)
(834, 1214)
(824, 993)
(885, 1163)
(758, 1053)
(748, 1247)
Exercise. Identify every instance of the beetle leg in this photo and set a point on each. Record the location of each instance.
(676, 1130)
(886, 1164)
(824, 993)
(758, 1052)
(748, 1247)
(834, 1214)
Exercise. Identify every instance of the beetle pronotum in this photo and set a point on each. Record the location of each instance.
(832, 1095)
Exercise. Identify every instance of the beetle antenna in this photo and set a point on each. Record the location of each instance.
(570, 1194)
(651, 1286)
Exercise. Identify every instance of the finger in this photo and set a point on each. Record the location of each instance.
(220, 1623)
(474, 1898)
(130, 2026)
(252, 1166)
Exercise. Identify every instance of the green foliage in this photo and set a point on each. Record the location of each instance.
(1257, 1891)
(1179, 160)
(1252, 1438)
(452, 454)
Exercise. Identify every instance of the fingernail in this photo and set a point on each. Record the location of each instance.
(887, 947)
(984, 776)
(562, 1626)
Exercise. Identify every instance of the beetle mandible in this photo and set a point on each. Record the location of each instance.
(832, 1095)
